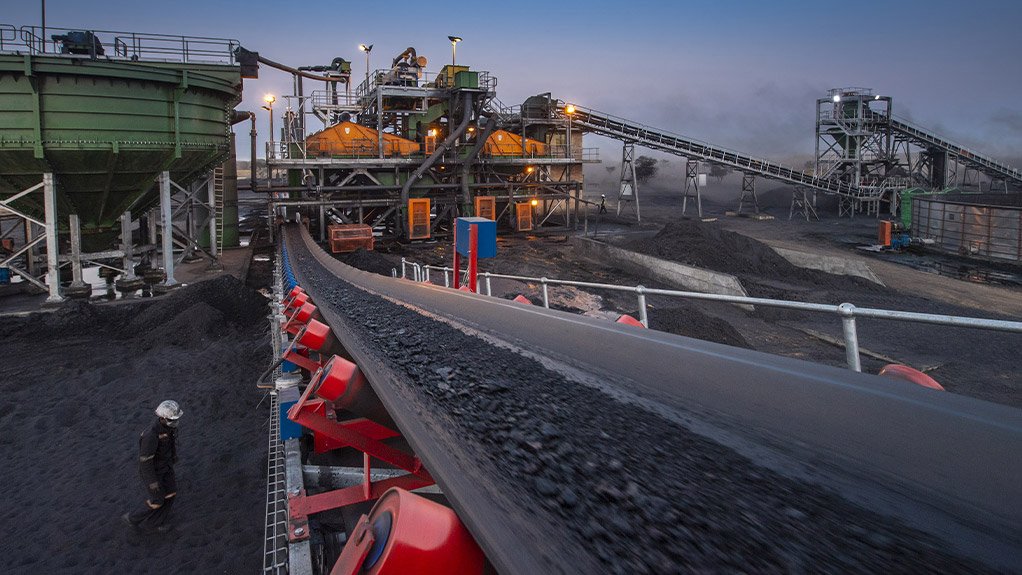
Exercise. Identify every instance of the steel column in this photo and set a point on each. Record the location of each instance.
(126, 245)
(52, 248)
(168, 229)
(76, 252)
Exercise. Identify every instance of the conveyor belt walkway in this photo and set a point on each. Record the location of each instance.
(926, 139)
(657, 139)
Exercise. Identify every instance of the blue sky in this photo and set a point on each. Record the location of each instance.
(740, 74)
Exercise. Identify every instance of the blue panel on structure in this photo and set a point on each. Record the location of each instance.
(288, 429)
(487, 236)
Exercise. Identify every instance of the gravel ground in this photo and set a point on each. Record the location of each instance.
(671, 502)
(80, 384)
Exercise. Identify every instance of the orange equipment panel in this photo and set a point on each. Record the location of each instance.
(884, 232)
(486, 207)
(349, 237)
(523, 215)
(418, 219)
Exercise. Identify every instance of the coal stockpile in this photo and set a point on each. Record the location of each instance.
(690, 322)
(602, 485)
(762, 271)
(80, 384)
(369, 261)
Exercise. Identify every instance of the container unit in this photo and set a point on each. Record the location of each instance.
(986, 226)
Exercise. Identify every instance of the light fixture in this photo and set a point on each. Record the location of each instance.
(569, 109)
(471, 129)
(431, 133)
(529, 169)
(534, 202)
(367, 50)
(877, 97)
(837, 98)
(454, 47)
(269, 99)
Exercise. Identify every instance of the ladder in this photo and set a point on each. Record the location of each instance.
(218, 206)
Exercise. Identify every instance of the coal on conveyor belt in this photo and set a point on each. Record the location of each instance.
(593, 477)
(80, 384)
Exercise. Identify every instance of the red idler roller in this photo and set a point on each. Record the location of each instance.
(630, 321)
(294, 291)
(300, 318)
(297, 301)
(522, 299)
(406, 533)
(342, 383)
(305, 313)
(911, 375)
(315, 336)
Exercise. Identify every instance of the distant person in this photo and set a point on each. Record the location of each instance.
(603, 203)
(157, 454)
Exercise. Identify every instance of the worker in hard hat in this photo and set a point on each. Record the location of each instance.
(603, 204)
(157, 454)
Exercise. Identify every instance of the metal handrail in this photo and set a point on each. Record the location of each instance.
(127, 45)
(388, 77)
(847, 311)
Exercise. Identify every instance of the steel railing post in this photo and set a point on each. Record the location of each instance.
(489, 288)
(641, 291)
(402, 268)
(447, 278)
(847, 312)
(546, 295)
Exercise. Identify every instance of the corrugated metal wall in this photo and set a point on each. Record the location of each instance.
(969, 229)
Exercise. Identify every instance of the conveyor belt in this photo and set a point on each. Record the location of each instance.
(658, 139)
(927, 139)
(677, 452)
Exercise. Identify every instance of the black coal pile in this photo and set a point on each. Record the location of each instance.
(690, 322)
(370, 261)
(602, 481)
(762, 271)
(80, 384)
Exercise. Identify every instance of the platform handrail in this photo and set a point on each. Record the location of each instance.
(120, 45)
(846, 311)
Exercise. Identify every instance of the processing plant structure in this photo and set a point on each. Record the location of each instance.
(407, 151)
(116, 149)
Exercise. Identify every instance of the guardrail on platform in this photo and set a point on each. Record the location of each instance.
(846, 311)
(114, 45)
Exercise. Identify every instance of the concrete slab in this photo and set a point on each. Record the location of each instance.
(829, 264)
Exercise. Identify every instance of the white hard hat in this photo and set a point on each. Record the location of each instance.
(169, 409)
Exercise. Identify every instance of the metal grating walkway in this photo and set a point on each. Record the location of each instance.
(275, 542)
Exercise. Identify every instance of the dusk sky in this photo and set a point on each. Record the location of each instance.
(743, 75)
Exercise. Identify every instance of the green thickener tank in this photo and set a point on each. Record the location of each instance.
(106, 128)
